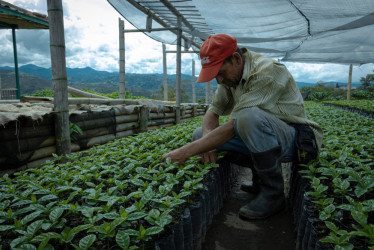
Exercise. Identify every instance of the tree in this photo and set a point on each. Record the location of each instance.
(367, 81)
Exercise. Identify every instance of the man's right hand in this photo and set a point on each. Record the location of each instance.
(210, 157)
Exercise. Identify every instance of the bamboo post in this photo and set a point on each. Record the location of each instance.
(143, 119)
(165, 72)
(59, 79)
(193, 82)
(349, 83)
(194, 112)
(179, 69)
(122, 91)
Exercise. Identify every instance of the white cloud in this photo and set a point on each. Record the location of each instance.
(308, 72)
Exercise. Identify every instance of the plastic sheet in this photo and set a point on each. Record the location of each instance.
(336, 31)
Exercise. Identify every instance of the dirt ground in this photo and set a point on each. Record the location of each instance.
(228, 231)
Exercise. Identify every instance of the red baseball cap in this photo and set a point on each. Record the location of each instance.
(213, 52)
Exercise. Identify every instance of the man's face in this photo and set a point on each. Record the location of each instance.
(231, 72)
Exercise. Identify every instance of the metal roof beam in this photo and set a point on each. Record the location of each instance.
(157, 19)
(177, 13)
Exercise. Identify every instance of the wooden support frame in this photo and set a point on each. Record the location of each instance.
(59, 77)
(349, 83)
(179, 70)
(122, 52)
(165, 82)
(193, 82)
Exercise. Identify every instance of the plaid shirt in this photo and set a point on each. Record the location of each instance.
(268, 85)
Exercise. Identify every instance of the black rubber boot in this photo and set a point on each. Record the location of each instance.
(254, 188)
(271, 198)
(239, 159)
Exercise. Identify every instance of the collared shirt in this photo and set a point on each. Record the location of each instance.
(268, 85)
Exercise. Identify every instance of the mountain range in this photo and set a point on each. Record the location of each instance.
(33, 78)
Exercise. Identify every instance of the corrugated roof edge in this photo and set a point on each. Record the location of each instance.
(23, 11)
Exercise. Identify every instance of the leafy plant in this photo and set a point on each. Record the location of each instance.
(74, 131)
(119, 194)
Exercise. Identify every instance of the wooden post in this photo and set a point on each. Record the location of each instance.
(349, 83)
(143, 119)
(179, 69)
(59, 78)
(122, 91)
(193, 82)
(165, 72)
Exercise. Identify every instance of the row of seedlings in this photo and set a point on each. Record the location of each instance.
(363, 107)
(333, 198)
(114, 195)
(27, 143)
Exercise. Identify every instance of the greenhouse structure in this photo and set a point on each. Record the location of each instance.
(86, 172)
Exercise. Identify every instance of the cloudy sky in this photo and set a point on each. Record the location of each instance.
(91, 38)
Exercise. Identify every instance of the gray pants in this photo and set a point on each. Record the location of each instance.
(257, 131)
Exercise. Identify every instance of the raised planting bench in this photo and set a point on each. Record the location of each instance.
(332, 197)
(115, 195)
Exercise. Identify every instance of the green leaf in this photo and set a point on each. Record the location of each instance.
(153, 230)
(55, 214)
(168, 160)
(149, 194)
(78, 229)
(132, 232)
(34, 227)
(360, 217)
(87, 241)
(136, 216)
(359, 191)
(26, 247)
(117, 222)
(137, 182)
(369, 205)
(154, 213)
(30, 217)
(18, 241)
(4, 204)
(72, 195)
(6, 227)
(331, 226)
(21, 203)
(123, 239)
(324, 216)
(111, 216)
(179, 174)
(330, 239)
(46, 237)
(344, 247)
(47, 197)
(176, 202)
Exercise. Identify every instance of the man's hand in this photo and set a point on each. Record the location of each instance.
(210, 156)
(177, 155)
(207, 144)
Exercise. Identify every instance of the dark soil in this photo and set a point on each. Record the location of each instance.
(228, 231)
